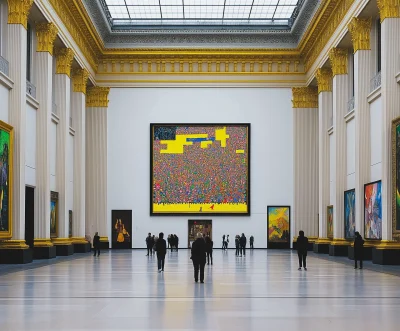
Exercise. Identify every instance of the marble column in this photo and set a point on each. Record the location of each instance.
(324, 79)
(305, 139)
(96, 163)
(339, 61)
(78, 109)
(46, 34)
(64, 57)
(16, 250)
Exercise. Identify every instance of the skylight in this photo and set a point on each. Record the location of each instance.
(141, 13)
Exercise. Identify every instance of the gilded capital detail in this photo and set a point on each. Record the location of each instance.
(324, 78)
(339, 61)
(305, 97)
(79, 79)
(97, 96)
(64, 57)
(18, 11)
(360, 29)
(46, 34)
(389, 9)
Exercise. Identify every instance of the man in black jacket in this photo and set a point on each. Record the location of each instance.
(302, 246)
(358, 250)
(209, 249)
(161, 249)
(149, 244)
(96, 244)
(243, 243)
(199, 257)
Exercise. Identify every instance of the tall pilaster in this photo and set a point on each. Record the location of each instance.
(64, 57)
(96, 162)
(339, 61)
(46, 34)
(305, 129)
(360, 29)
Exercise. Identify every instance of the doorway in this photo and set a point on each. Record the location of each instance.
(196, 226)
(29, 215)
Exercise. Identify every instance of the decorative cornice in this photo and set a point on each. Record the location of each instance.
(79, 79)
(339, 61)
(18, 11)
(64, 57)
(97, 96)
(79, 240)
(46, 34)
(13, 244)
(61, 241)
(360, 29)
(42, 243)
(388, 9)
(324, 78)
(305, 97)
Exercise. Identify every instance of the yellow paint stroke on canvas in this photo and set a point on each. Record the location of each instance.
(200, 208)
(278, 221)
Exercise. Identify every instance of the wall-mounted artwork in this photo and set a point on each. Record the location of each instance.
(53, 214)
(349, 214)
(396, 179)
(200, 169)
(70, 223)
(6, 167)
(373, 210)
(278, 226)
(329, 222)
(121, 228)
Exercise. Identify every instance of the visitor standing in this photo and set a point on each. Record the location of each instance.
(209, 249)
(223, 242)
(176, 242)
(199, 258)
(96, 244)
(227, 241)
(161, 249)
(243, 243)
(237, 244)
(358, 250)
(169, 241)
(302, 247)
(251, 242)
(149, 244)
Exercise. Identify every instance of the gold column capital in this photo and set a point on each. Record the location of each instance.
(388, 9)
(360, 30)
(97, 96)
(64, 57)
(324, 78)
(79, 79)
(46, 34)
(339, 61)
(18, 11)
(305, 97)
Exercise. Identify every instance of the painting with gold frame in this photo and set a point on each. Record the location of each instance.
(396, 179)
(6, 176)
(53, 214)
(329, 222)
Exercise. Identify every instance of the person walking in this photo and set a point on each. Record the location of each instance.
(96, 244)
(161, 249)
(199, 257)
(358, 250)
(176, 242)
(149, 244)
(302, 247)
(223, 242)
(243, 243)
(251, 242)
(237, 245)
(227, 241)
(209, 249)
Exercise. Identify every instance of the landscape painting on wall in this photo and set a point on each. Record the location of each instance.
(373, 210)
(6, 157)
(349, 214)
(53, 214)
(329, 220)
(200, 169)
(396, 179)
(278, 226)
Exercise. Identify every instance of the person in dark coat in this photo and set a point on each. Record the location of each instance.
(209, 249)
(358, 250)
(199, 257)
(251, 242)
(237, 245)
(302, 246)
(243, 243)
(149, 244)
(96, 244)
(161, 249)
(176, 242)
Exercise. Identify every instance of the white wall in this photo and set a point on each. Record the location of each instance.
(53, 156)
(376, 139)
(4, 103)
(332, 166)
(351, 154)
(30, 152)
(129, 116)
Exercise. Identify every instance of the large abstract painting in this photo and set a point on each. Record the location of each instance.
(278, 226)
(396, 179)
(373, 210)
(200, 169)
(349, 214)
(329, 221)
(6, 149)
(121, 228)
(53, 214)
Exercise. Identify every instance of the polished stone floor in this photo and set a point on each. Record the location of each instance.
(122, 290)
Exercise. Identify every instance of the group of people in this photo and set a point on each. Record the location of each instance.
(151, 241)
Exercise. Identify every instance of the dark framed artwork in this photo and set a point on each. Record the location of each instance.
(53, 214)
(200, 169)
(278, 226)
(373, 210)
(121, 229)
(198, 226)
(349, 214)
(70, 223)
(6, 179)
(396, 179)
(329, 222)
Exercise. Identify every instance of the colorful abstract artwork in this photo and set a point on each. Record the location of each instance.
(329, 221)
(396, 179)
(349, 214)
(6, 147)
(200, 169)
(278, 224)
(121, 228)
(373, 210)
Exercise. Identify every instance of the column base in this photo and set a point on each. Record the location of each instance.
(81, 247)
(15, 256)
(367, 253)
(63, 246)
(339, 247)
(386, 254)
(104, 243)
(43, 249)
(321, 248)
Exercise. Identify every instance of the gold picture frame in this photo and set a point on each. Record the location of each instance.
(53, 214)
(329, 221)
(395, 166)
(8, 231)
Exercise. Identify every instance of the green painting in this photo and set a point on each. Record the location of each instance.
(6, 132)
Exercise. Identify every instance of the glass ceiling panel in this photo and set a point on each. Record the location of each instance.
(201, 12)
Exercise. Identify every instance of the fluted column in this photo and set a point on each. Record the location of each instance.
(96, 162)
(79, 79)
(339, 61)
(360, 29)
(46, 34)
(305, 128)
(324, 79)
(64, 57)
